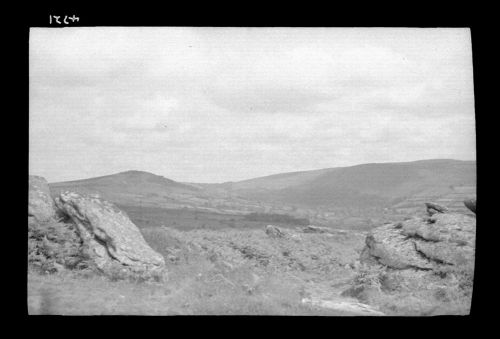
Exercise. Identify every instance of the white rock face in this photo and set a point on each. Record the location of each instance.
(109, 233)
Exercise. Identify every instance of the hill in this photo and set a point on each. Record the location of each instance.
(130, 187)
(366, 185)
(352, 197)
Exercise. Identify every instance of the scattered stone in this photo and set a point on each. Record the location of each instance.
(40, 203)
(315, 229)
(108, 232)
(435, 208)
(274, 232)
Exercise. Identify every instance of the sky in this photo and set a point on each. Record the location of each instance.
(205, 104)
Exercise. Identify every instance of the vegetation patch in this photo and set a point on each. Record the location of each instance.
(55, 245)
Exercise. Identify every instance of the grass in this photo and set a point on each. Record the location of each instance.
(414, 293)
(209, 272)
(246, 272)
(54, 245)
(193, 290)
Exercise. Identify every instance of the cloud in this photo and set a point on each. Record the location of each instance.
(214, 104)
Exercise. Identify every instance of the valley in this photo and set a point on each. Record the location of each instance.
(357, 197)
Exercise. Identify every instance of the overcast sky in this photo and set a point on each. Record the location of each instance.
(226, 104)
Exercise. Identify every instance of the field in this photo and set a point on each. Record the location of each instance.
(247, 272)
(209, 272)
(220, 260)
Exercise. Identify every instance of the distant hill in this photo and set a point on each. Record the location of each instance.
(382, 184)
(318, 194)
(128, 187)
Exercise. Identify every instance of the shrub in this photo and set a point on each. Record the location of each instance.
(368, 278)
(54, 245)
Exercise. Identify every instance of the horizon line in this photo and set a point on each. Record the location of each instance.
(264, 176)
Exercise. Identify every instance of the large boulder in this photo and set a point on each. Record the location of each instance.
(386, 245)
(423, 243)
(420, 266)
(40, 203)
(108, 232)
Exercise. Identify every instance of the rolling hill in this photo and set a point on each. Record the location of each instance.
(363, 185)
(130, 187)
(350, 195)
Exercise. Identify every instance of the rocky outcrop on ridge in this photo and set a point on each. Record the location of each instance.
(109, 233)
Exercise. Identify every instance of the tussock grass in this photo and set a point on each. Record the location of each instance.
(209, 272)
(55, 245)
(247, 272)
(414, 293)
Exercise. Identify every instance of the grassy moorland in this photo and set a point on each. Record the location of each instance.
(209, 272)
(356, 197)
(231, 271)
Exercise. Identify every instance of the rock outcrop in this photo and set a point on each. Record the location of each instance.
(109, 233)
(40, 203)
(274, 232)
(426, 262)
(435, 208)
(471, 204)
(423, 243)
(315, 229)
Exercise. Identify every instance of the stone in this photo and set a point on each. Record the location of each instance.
(386, 245)
(434, 208)
(471, 204)
(274, 232)
(449, 227)
(315, 229)
(423, 243)
(110, 235)
(40, 203)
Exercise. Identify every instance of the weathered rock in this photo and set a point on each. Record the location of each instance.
(386, 245)
(421, 257)
(435, 208)
(315, 229)
(459, 229)
(471, 204)
(40, 203)
(423, 243)
(274, 232)
(108, 232)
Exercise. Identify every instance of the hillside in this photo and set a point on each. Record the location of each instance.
(132, 187)
(367, 185)
(350, 197)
